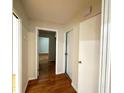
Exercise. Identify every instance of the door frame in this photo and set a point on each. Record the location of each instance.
(66, 43)
(19, 84)
(105, 64)
(37, 53)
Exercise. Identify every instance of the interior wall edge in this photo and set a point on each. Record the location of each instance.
(25, 87)
(74, 86)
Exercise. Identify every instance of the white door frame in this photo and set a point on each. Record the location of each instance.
(37, 59)
(105, 65)
(66, 57)
(19, 80)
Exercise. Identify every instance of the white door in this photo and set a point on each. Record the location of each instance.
(88, 71)
(69, 54)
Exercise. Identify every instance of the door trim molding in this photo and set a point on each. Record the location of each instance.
(65, 49)
(19, 88)
(46, 29)
(104, 72)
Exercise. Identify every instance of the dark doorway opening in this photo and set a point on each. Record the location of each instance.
(47, 54)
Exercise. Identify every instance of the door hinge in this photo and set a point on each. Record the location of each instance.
(66, 53)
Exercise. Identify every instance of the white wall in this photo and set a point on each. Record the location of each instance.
(31, 55)
(6, 46)
(75, 46)
(32, 68)
(24, 58)
(18, 9)
(43, 45)
(75, 56)
(74, 26)
(15, 45)
(60, 55)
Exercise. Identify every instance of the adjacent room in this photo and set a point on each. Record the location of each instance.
(47, 54)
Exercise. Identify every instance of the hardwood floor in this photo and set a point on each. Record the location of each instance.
(59, 84)
(48, 82)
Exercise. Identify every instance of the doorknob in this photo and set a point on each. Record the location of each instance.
(80, 62)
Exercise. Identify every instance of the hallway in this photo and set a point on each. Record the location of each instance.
(47, 81)
(46, 20)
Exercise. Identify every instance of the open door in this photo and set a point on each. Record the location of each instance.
(89, 47)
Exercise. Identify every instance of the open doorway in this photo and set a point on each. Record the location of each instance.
(47, 54)
(68, 54)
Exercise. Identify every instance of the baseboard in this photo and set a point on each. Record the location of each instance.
(58, 73)
(31, 78)
(74, 87)
(25, 88)
(43, 53)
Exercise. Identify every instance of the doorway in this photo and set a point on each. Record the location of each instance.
(46, 53)
(68, 55)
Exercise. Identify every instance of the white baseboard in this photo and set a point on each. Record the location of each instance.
(25, 86)
(57, 73)
(31, 78)
(74, 87)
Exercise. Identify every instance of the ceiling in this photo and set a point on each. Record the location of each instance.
(54, 11)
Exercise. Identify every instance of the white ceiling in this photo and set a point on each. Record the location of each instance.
(54, 11)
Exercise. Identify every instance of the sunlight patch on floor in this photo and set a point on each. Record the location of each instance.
(14, 83)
